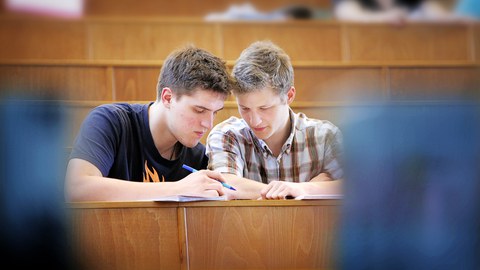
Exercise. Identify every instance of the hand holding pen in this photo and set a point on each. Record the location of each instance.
(190, 169)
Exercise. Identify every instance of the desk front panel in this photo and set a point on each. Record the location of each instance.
(243, 234)
(127, 238)
(270, 237)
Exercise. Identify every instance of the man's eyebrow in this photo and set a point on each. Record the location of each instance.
(205, 108)
(260, 106)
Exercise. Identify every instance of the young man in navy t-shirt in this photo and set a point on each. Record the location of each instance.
(147, 144)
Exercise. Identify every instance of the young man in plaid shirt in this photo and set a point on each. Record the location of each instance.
(273, 152)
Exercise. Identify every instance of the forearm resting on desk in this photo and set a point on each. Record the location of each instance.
(325, 184)
(278, 190)
(84, 182)
(245, 188)
(250, 189)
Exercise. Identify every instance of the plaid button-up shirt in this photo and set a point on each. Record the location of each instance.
(313, 147)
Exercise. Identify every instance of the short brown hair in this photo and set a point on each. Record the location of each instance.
(263, 64)
(189, 68)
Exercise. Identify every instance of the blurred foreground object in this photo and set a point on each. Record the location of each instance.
(54, 8)
(412, 190)
(34, 226)
(469, 8)
(393, 11)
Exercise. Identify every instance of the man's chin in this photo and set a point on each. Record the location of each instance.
(191, 144)
(262, 136)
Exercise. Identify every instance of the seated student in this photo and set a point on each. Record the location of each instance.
(392, 11)
(273, 152)
(147, 144)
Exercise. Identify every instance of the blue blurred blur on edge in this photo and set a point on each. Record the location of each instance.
(34, 229)
(412, 187)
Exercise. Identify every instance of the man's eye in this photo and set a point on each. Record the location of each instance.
(199, 110)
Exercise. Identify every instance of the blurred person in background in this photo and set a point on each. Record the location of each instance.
(393, 11)
(249, 12)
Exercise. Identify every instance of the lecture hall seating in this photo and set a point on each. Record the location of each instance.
(108, 57)
(94, 60)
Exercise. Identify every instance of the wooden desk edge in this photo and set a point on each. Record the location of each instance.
(232, 203)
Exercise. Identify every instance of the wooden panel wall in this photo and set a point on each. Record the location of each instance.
(307, 42)
(148, 40)
(65, 81)
(42, 39)
(320, 84)
(440, 83)
(419, 43)
(136, 83)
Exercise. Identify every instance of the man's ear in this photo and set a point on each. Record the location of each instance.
(166, 96)
(290, 95)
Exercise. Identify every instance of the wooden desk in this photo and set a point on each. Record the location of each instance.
(206, 235)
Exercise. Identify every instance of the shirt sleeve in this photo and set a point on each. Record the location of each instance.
(224, 152)
(96, 141)
(333, 154)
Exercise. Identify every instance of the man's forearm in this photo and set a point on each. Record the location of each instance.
(246, 188)
(325, 186)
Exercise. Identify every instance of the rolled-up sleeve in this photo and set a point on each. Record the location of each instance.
(224, 152)
(333, 154)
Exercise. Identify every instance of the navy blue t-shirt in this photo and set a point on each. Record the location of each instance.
(116, 138)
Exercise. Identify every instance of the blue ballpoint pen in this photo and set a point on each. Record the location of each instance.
(190, 169)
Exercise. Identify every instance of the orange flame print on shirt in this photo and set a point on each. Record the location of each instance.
(151, 175)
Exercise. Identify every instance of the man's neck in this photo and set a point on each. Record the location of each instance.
(162, 137)
(278, 139)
